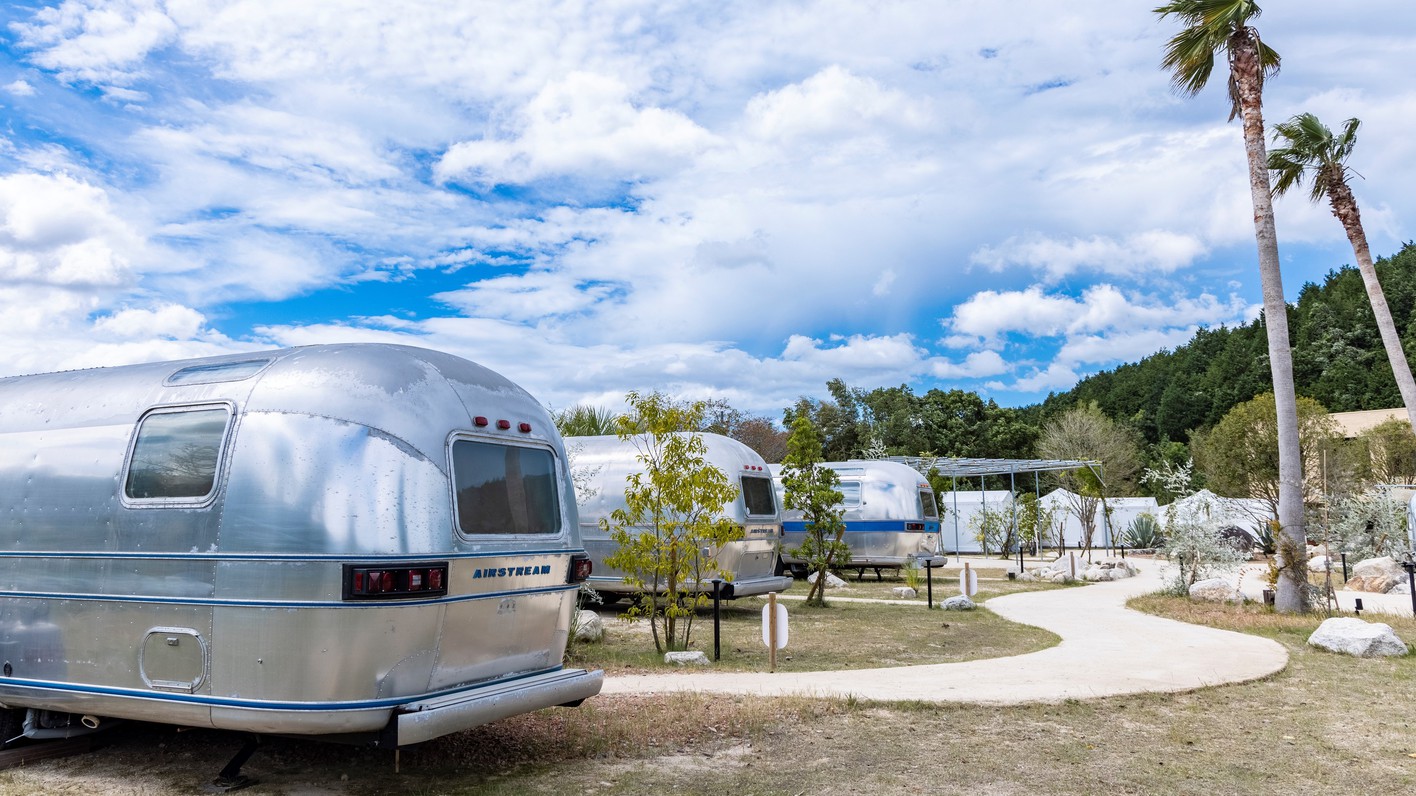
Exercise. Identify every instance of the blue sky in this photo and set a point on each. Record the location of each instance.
(738, 200)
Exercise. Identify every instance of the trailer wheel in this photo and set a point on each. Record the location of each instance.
(609, 597)
(12, 726)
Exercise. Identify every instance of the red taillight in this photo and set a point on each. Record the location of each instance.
(580, 568)
(503, 424)
(391, 583)
(914, 526)
(524, 428)
(479, 421)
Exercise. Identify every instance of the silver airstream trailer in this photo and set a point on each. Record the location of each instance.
(890, 515)
(368, 543)
(750, 564)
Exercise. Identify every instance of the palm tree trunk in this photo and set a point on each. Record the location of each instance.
(1292, 588)
(1344, 206)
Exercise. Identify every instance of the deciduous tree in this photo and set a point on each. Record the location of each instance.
(811, 489)
(673, 524)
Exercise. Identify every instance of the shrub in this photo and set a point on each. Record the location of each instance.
(1143, 533)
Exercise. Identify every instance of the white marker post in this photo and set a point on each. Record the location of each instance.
(774, 628)
(968, 581)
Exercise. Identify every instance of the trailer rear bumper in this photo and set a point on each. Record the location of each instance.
(424, 720)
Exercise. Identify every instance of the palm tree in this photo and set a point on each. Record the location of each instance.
(585, 420)
(1312, 150)
(1223, 26)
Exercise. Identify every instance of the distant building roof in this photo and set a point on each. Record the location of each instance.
(1351, 424)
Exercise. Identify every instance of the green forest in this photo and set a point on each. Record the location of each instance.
(1161, 400)
(1338, 361)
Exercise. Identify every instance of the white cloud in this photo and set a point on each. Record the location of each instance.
(989, 315)
(831, 105)
(527, 297)
(978, 365)
(586, 124)
(883, 284)
(20, 88)
(96, 40)
(1155, 251)
(169, 321)
(1054, 377)
(57, 230)
(821, 173)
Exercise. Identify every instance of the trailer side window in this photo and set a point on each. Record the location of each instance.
(850, 492)
(926, 499)
(757, 494)
(176, 454)
(505, 489)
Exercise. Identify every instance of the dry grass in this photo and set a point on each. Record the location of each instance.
(843, 635)
(1328, 724)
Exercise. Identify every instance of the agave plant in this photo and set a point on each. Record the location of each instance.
(1143, 533)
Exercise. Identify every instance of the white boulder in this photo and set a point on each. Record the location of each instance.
(1215, 590)
(832, 582)
(688, 658)
(1378, 575)
(904, 592)
(588, 626)
(958, 603)
(1356, 637)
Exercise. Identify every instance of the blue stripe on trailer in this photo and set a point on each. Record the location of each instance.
(868, 526)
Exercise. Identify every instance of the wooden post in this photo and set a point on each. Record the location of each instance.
(772, 631)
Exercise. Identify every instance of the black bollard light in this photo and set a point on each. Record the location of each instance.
(929, 579)
(1410, 566)
(717, 590)
(1358, 607)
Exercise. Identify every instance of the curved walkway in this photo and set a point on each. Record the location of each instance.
(1106, 650)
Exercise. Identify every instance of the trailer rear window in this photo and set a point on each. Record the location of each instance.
(926, 499)
(176, 454)
(850, 492)
(757, 494)
(505, 489)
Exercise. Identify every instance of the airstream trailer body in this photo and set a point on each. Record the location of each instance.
(750, 564)
(370, 543)
(890, 515)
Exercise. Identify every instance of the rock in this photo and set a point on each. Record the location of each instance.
(832, 582)
(1321, 563)
(958, 603)
(1377, 575)
(1215, 590)
(1027, 577)
(1356, 637)
(588, 626)
(1059, 577)
(904, 592)
(689, 658)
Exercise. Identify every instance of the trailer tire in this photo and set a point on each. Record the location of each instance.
(609, 597)
(12, 726)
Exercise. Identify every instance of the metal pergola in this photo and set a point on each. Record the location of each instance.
(957, 468)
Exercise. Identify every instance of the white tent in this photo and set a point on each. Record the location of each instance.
(1108, 529)
(1247, 514)
(957, 509)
